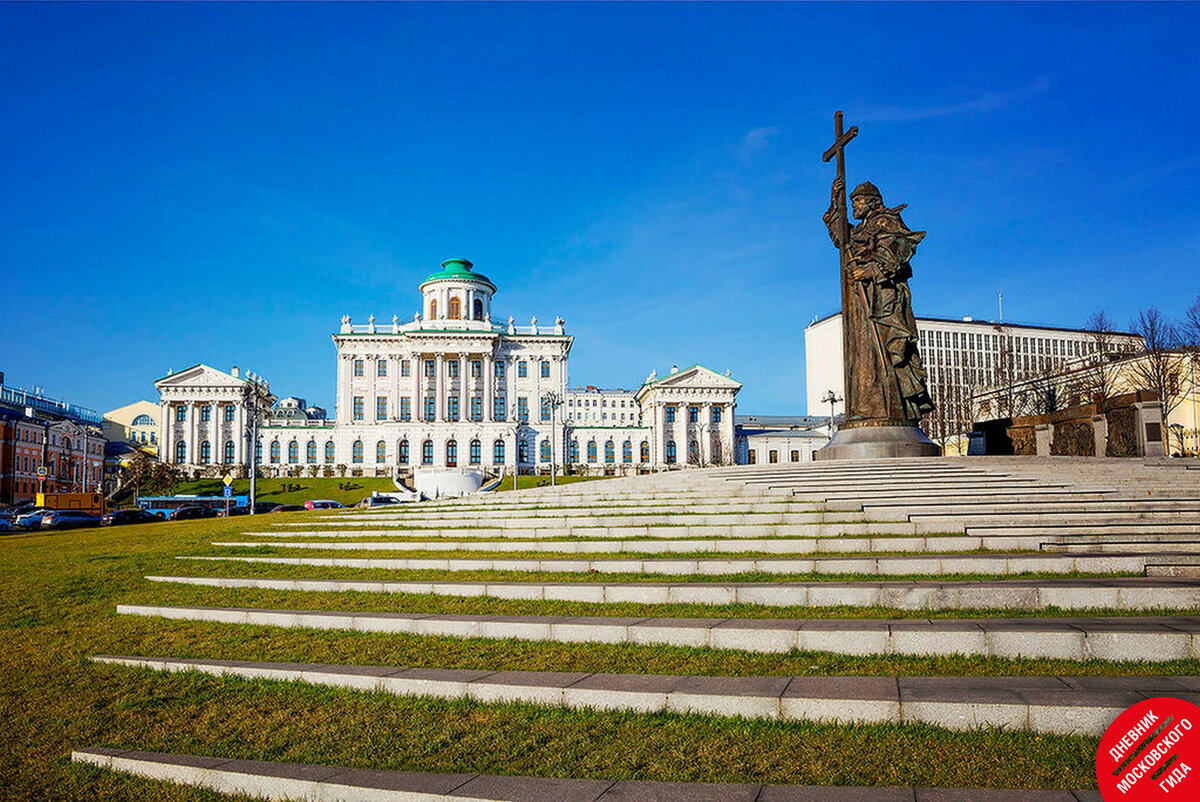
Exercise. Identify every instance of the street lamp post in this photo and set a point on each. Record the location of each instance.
(831, 398)
(554, 401)
(252, 390)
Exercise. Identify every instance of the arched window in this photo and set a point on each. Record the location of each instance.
(180, 452)
(329, 452)
(274, 451)
(573, 450)
(258, 453)
(356, 451)
(522, 451)
(228, 452)
(478, 309)
(143, 420)
(205, 452)
(454, 309)
(610, 452)
(66, 443)
(693, 452)
(433, 309)
(498, 452)
(402, 452)
(591, 451)
(476, 452)
(310, 452)
(381, 451)
(670, 452)
(293, 452)
(451, 453)
(627, 452)
(545, 451)
(427, 452)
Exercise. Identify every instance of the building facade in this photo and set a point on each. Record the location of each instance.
(961, 357)
(452, 388)
(775, 439)
(135, 424)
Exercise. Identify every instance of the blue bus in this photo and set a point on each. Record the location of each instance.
(165, 505)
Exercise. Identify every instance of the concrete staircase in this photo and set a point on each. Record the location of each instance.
(1092, 560)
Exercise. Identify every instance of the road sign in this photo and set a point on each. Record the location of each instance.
(228, 491)
(41, 472)
(228, 481)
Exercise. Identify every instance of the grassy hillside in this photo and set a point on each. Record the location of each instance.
(349, 490)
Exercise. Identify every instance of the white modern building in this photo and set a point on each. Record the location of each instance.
(777, 439)
(960, 356)
(451, 389)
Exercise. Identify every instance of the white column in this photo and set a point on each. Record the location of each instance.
(417, 367)
(439, 383)
(488, 370)
(705, 426)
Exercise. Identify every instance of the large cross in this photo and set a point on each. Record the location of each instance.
(838, 148)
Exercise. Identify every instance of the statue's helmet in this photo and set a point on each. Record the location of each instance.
(867, 190)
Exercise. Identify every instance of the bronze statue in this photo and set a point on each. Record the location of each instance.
(885, 382)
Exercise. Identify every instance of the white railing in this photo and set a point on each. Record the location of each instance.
(395, 327)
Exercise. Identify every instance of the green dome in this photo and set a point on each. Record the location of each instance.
(459, 269)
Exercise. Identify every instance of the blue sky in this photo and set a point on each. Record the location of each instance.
(220, 183)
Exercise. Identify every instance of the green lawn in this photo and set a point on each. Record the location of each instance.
(348, 490)
(58, 594)
(542, 481)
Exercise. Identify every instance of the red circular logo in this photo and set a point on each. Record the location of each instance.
(1151, 752)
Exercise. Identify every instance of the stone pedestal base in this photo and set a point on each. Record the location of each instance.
(878, 442)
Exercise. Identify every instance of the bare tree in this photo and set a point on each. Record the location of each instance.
(1160, 366)
(1102, 350)
(1189, 328)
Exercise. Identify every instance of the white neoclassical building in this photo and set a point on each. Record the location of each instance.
(453, 389)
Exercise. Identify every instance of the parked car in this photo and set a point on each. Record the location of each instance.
(121, 517)
(69, 519)
(193, 511)
(323, 504)
(289, 508)
(260, 507)
(5, 525)
(377, 501)
(32, 519)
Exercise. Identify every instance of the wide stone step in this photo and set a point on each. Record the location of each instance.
(1056, 705)
(1116, 593)
(883, 565)
(1119, 639)
(542, 521)
(302, 781)
(338, 541)
(1173, 545)
(836, 529)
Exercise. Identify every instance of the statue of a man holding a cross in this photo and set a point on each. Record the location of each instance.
(885, 381)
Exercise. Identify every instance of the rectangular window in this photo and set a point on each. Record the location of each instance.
(358, 407)
(381, 367)
(476, 369)
(180, 413)
(380, 408)
(499, 370)
(476, 408)
(523, 409)
(452, 407)
(545, 410)
(522, 369)
(405, 408)
(545, 370)
(230, 411)
(358, 367)
(430, 409)
(773, 456)
(693, 414)
(716, 414)
(405, 368)
(795, 456)
(205, 413)
(752, 457)
(452, 368)
(498, 408)
(430, 369)
(669, 414)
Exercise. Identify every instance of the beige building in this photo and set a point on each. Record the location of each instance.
(136, 424)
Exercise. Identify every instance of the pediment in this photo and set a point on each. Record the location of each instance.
(198, 376)
(697, 376)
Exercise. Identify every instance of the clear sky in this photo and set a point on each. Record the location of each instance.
(221, 183)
